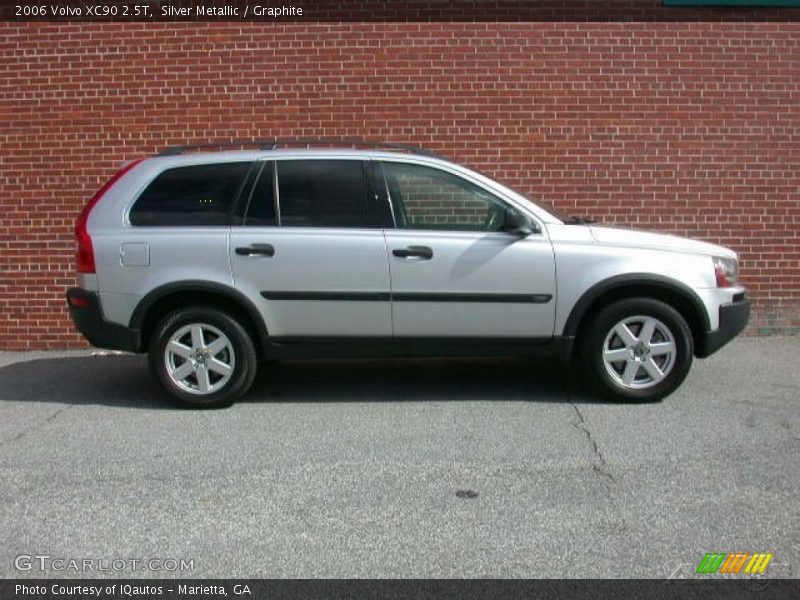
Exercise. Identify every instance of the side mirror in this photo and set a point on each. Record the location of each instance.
(518, 224)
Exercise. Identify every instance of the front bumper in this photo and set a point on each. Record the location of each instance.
(87, 314)
(733, 319)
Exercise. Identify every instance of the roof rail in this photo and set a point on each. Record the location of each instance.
(307, 142)
(176, 150)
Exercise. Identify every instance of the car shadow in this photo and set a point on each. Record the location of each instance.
(124, 381)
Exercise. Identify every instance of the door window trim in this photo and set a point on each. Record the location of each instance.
(276, 193)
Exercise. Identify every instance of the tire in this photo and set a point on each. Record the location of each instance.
(207, 370)
(648, 369)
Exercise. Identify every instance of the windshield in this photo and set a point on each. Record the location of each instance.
(545, 205)
(542, 204)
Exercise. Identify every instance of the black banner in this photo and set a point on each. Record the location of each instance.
(217, 589)
(265, 11)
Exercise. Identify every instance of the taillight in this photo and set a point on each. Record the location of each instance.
(85, 254)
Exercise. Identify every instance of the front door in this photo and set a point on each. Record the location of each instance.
(454, 272)
(311, 253)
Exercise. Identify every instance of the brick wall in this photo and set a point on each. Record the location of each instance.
(684, 127)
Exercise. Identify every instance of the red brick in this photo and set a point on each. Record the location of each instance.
(690, 128)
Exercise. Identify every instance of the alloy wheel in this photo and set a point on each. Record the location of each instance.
(639, 352)
(199, 358)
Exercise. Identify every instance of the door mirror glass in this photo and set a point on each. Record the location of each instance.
(516, 223)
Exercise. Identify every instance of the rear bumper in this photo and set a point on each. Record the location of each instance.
(87, 314)
(733, 319)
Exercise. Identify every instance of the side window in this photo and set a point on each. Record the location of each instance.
(323, 193)
(261, 204)
(190, 196)
(427, 198)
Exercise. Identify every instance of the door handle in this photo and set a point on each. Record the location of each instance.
(422, 252)
(256, 250)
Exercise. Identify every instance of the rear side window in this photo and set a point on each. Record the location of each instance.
(200, 195)
(323, 193)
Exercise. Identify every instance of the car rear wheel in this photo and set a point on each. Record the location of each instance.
(637, 350)
(203, 357)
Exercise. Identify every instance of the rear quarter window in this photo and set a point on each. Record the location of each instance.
(197, 195)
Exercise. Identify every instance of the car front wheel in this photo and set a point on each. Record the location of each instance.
(203, 357)
(637, 350)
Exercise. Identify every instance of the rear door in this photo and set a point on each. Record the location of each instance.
(455, 273)
(311, 253)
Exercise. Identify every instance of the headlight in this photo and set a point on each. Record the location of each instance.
(726, 270)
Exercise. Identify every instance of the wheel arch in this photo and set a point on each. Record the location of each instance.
(670, 291)
(163, 299)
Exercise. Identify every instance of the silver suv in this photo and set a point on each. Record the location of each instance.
(213, 261)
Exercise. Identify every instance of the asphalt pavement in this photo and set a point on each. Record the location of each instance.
(424, 468)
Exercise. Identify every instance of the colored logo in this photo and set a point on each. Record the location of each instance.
(734, 563)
